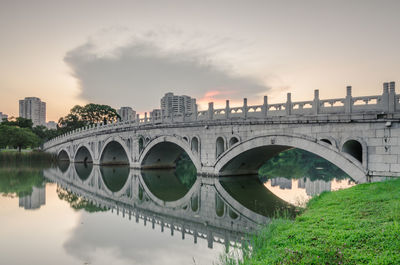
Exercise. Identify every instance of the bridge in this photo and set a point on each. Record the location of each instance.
(206, 211)
(361, 135)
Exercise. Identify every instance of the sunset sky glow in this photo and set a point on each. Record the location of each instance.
(130, 53)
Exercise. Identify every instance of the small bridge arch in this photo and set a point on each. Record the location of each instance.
(83, 154)
(248, 156)
(163, 151)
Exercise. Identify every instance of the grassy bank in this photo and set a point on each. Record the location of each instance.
(360, 225)
(32, 159)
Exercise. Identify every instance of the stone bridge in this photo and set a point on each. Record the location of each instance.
(206, 211)
(361, 135)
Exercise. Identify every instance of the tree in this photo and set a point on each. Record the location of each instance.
(87, 115)
(17, 137)
(20, 122)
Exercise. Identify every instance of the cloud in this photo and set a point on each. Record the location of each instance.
(139, 72)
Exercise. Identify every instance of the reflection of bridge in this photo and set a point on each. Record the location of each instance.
(361, 135)
(206, 211)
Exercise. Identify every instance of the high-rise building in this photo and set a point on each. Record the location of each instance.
(33, 108)
(171, 103)
(51, 125)
(3, 116)
(126, 113)
(33, 201)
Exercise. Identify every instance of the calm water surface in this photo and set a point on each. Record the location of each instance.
(85, 214)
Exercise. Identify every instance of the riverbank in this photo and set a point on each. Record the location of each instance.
(28, 158)
(359, 225)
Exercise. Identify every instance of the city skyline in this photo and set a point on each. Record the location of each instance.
(130, 54)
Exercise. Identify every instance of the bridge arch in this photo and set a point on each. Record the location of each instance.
(163, 151)
(195, 144)
(355, 147)
(83, 154)
(63, 155)
(233, 140)
(329, 140)
(248, 156)
(220, 146)
(114, 152)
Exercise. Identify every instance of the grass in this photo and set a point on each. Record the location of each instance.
(32, 159)
(360, 225)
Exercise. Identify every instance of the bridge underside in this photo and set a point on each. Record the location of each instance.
(83, 156)
(162, 155)
(114, 154)
(249, 162)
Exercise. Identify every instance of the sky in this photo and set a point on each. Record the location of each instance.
(130, 53)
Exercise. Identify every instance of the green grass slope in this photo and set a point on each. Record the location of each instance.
(360, 225)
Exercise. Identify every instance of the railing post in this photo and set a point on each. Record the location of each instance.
(162, 116)
(244, 108)
(145, 117)
(138, 119)
(183, 115)
(392, 97)
(195, 112)
(265, 107)
(348, 101)
(288, 107)
(385, 97)
(227, 110)
(210, 110)
(316, 102)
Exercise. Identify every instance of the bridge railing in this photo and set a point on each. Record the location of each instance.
(388, 102)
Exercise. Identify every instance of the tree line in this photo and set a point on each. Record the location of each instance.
(20, 133)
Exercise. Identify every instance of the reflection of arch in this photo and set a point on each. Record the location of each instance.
(83, 170)
(83, 155)
(63, 155)
(236, 207)
(219, 146)
(163, 151)
(247, 157)
(354, 148)
(233, 141)
(114, 152)
(115, 178)
(194, 144)
(170, 204)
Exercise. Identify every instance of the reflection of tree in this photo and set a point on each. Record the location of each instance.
(78, 203)
(186, 170)
(297, 163)
(19, 180)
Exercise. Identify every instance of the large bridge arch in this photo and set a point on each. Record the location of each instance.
(247, 156)
(163, 151)
(114, 152)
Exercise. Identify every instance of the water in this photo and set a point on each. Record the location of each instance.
(86, 214)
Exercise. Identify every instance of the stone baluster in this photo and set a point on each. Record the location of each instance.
(392, 97)
(227, 110)
(211, 110)
(162, 116)
(183, 114)
(385, 98)
(245, 108)
(288, 107)
(265, 107)
(348, 100)
(138, 119)
(145, 117)
(315, 106)
(195, 112)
